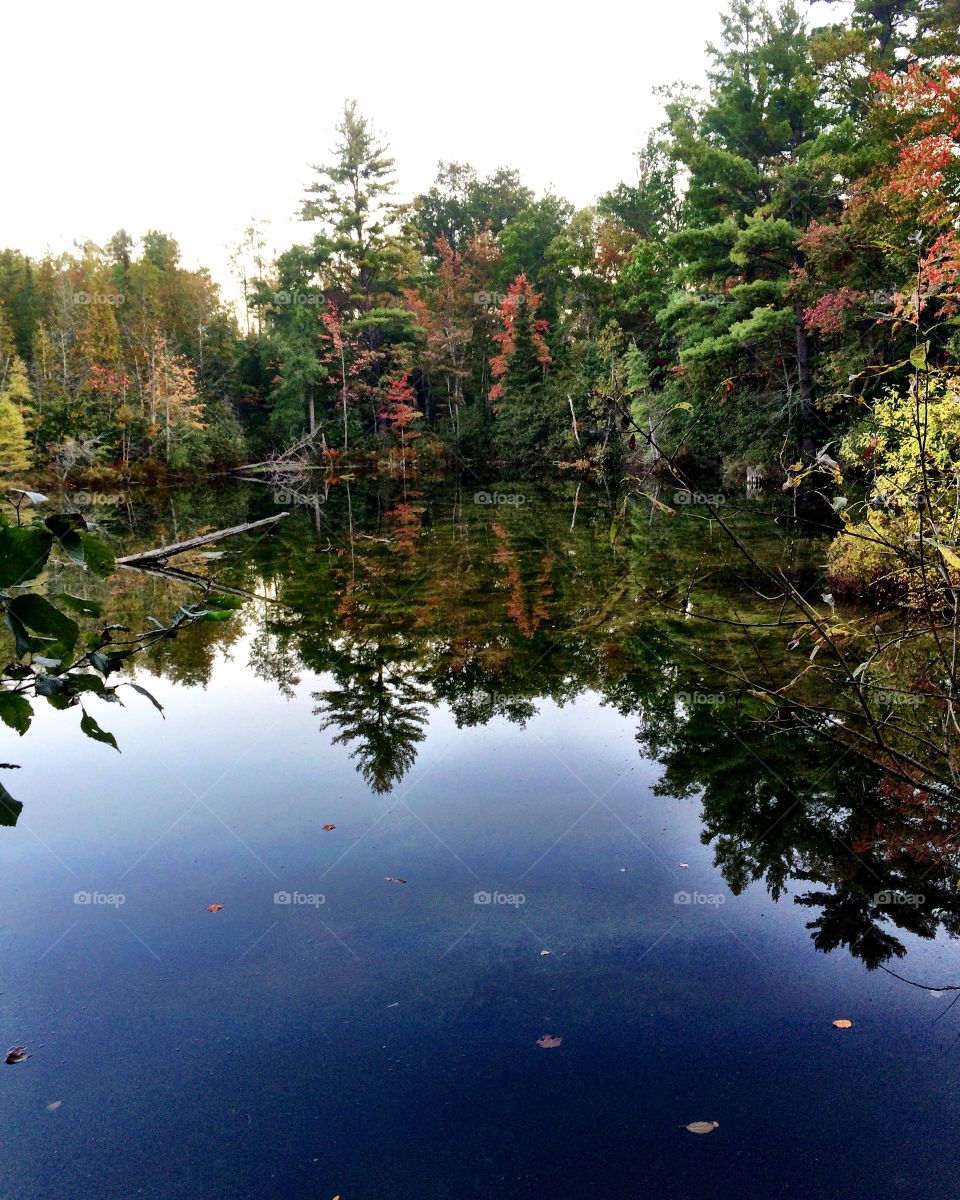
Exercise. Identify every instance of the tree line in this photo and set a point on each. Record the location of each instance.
(762, 293)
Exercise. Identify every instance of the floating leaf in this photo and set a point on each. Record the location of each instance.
(702, 1126)
(393, 879)
(843, 1023)
(328, 827)
(16, 1055)
(549, 1042)
(215, 908)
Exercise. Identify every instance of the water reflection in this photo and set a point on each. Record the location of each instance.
(397, 603)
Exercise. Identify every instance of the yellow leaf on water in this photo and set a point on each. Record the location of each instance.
(843, 1023)
(702, 1126)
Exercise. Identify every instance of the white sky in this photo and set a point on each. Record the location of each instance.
(191, 117)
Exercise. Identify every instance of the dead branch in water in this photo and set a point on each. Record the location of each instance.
(164, 552)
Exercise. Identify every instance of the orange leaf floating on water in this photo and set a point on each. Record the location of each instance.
(16, 1055)
(214, 908)
(843, 1023)
(329, 826)
(393, 879)
(549, 1042)
(702, 1126)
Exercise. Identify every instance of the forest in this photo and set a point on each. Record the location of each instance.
(768, 297)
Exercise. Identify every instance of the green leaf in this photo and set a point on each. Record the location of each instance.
(24, 642)
(15, 711)
(153, 700)
(10, 809)
(98, 556)
(918, 356)
(229, 601)
(93, 730)
(23, 553)
(89, 608)
(61, 525)
(50, 685)
(42, 617)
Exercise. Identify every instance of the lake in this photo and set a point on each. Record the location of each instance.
(515, 883)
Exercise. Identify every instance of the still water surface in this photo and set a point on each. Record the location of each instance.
(487, 704)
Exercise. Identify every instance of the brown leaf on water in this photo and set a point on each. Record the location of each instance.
(214, 908)
(16, 1054)
(549, 1042)
(702, 1126)
(328, 827)
(393, 879)
(843, 1023)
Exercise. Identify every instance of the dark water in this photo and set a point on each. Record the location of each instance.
(514, 702)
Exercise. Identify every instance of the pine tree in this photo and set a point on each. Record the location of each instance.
(762, 167)
(14, 447)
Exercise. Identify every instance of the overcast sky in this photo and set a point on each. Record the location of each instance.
(191, 117)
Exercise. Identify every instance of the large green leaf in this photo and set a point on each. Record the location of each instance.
(38, 614)
(15, 711)
(23, 553)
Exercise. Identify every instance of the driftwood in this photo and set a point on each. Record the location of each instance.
(164, 552)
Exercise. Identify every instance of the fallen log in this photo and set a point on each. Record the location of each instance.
(164, 552)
